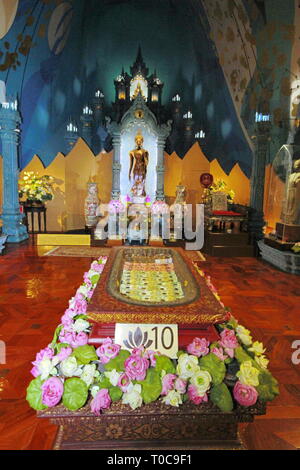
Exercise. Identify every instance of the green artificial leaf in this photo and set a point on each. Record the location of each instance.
(185, 398)
(115, 393)
(81, 317)
(268, 388)
(118, 362)
(85, 354)
(221, 397)
(103, 381)
(164, 363)
(95, 278)
(212, 364)
(75, 393)
(34, 394)
(228, 360)
(151, 386)
(232, 323)
(241, 355)
(61, 346)
(56, 335)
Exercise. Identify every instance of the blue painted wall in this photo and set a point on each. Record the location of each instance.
(104, 36)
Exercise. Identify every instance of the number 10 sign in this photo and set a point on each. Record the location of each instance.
(162, 338)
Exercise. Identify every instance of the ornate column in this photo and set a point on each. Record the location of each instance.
(114, 130)
(10, 120)
(163, 133)
(256, 215)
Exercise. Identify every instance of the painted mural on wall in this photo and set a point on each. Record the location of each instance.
(224, 58)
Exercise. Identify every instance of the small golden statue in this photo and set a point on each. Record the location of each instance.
(139, 158)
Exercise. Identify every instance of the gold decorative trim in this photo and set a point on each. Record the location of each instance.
(152, 317)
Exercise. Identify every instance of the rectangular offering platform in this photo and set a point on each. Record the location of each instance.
(151, 427)
(198, 308)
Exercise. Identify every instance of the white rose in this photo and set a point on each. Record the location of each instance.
(244, 335)
(173, 398)
(187, 366)
(113, 377)
(201, 380)
(94, 390)
(88, 374)
(133, 396)
(92, 273)
(72, 304)
(83, 290)
(257, 348)
(47, 367)
(69, 367)
(262, 361)
(81, 325)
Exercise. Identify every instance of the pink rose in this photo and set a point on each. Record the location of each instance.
(67, 321)
(35, 371)
(52, 391)
(194, 396)
(107, 351)
(136, 367)
(102, 401)
(245, 395)
(66, 336)
(151, 356)
(123, 382)
(199, 347)
(219, 353)
(97, 267)
(73, 339)
(64, 353)
(81, 339)
(228, 339)
(47, 353)
(138, 351)
(180, 385)
(168, 383)
(80, 304)
(87, 280)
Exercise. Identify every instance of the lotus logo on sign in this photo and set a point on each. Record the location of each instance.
(137, 339)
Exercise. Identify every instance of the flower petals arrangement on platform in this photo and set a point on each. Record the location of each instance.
(230, 371)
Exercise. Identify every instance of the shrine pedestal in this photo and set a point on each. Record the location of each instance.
(151, 427)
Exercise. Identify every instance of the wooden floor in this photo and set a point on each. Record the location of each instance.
(34, 292)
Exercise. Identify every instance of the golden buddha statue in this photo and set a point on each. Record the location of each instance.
(139, 158)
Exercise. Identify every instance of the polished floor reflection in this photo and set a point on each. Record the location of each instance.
(34, 292)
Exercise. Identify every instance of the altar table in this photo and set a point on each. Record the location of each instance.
(155, 426)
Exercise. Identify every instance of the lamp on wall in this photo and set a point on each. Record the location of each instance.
(176, 98)
(87, 111)
(200, 135)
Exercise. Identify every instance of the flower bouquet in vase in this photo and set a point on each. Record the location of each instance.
(34, 190)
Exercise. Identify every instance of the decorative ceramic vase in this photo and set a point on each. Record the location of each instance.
(91, 204)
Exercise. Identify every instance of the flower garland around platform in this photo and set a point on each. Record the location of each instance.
(228, 372)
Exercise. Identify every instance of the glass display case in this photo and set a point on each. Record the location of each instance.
(282, 197)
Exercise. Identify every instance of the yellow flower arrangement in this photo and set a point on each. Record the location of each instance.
(221, 185)
(33, 187)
